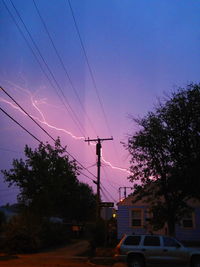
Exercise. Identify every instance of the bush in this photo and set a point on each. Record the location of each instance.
(27, 234)
(21, 235)
(2, 219)
(98, 232)
(53, 234)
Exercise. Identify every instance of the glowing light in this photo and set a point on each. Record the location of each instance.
(114, 167)
(11, 104)
(35, 104)
(114, 215)
(44, 120)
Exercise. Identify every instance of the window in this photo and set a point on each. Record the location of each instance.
(170, 242)
(149, 215)
(136, 218)
(188, 221)
(132, 240)
(152, 241)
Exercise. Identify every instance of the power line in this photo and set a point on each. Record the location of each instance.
(37, 123)
(62, 63)
(109, 181)
(43, 130)
(44, 61)
(31, 47)
(89, 66)
(91, 72)
(113, 182)
(68, 106)
(41, 142)
(27, 43)
(27, 113)
(105, 196)
(98, 152)
(20, 125)
(111, 197)
(50, 71)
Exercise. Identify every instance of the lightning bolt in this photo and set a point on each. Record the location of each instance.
(115, 167)
(42, 120)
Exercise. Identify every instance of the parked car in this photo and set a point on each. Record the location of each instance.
(141, 250)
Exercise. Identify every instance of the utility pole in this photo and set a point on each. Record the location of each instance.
(125, 191)
(98, 153)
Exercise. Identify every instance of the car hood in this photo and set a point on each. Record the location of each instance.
(195, 250)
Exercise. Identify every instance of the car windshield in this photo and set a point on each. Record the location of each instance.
(132, 240)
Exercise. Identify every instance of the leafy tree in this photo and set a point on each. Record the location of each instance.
(2, 219)
(48, 184)
(165, 155)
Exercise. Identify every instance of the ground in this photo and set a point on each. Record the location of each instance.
(68, 256)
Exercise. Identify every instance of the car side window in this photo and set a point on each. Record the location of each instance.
(132, 240)
(169, 242)
(152, 241)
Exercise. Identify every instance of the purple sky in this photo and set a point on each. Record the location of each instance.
(137, 51)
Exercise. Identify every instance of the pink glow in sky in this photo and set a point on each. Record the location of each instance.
(137, 51)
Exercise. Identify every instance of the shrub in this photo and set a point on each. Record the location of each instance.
(21, 235)
(27, 233)
(98, 232)
(53, 234)
(2, 219)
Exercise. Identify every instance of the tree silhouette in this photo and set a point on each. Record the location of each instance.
(165, 152)
(48, 184)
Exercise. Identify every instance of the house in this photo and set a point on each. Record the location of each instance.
(133, 218)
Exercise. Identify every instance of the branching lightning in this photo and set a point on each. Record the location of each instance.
(114, 167)
(35, 103)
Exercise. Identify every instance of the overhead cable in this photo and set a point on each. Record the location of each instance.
(62, 63)
(20, 125)
(89, 66)
(68, 106)
(42, 129)
(111, 197)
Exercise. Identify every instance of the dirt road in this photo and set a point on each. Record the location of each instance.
(63, 257)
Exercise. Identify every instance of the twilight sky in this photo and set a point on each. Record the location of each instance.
(81, 70)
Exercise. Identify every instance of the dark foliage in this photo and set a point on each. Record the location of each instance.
(2, 219)
(98, 235)
(48, 184)
(165, 152)
(21, 235)
(26, 233)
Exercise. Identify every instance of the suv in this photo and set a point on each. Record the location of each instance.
(140, 250)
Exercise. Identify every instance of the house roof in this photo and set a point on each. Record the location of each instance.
(130, 201)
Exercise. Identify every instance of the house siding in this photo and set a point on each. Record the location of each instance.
(124, 223)
(183, 234)
(190, 234)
